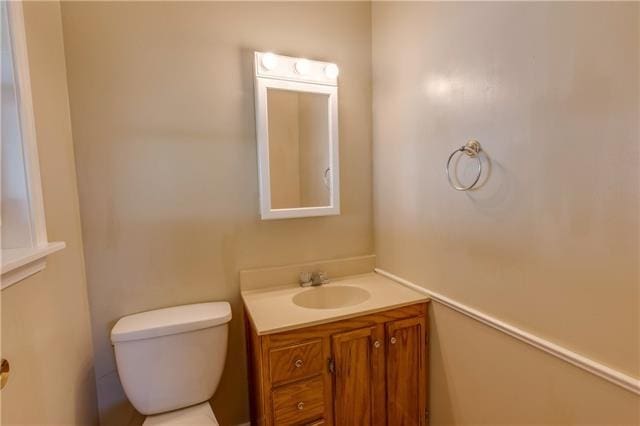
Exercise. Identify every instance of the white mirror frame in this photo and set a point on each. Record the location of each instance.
(283, 76)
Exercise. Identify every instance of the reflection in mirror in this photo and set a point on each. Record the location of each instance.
(298, 126)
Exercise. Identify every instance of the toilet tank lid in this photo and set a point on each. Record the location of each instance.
(177, 319)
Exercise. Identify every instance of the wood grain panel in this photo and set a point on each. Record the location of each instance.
(406, 385)
(327, 377)
(296, 361)
(255, 374)
(299, 403)
(357, 386)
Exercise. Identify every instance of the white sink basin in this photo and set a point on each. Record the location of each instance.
(331, 297)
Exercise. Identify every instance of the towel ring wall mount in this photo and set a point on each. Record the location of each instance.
(472, 150)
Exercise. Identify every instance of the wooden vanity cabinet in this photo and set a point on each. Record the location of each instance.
(367, 370)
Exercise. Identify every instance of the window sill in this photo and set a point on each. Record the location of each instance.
(18, 264)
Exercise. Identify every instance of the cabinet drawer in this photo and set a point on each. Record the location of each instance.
(296, 362)
(299, 403)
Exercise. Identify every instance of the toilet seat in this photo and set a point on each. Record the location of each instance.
(197, 415)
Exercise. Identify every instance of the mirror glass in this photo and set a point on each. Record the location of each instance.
(298, 134)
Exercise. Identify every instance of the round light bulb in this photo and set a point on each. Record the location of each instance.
(331, 71)
(269, 61)
(303, 67)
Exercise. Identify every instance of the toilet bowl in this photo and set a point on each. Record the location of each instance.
(170, 361)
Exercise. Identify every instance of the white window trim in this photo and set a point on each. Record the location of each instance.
(18, 264)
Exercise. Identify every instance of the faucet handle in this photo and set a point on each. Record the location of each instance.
(319, 278)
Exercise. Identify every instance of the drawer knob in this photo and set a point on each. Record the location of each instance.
(298, 363)
(300, 405)
(376, 344)
(393, 340)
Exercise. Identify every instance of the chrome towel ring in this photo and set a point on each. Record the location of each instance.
(471, 149)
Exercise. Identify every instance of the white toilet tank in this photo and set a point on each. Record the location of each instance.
(171, 358)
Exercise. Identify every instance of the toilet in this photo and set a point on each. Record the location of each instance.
(170, 361)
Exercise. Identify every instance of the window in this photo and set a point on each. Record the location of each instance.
(23, 230)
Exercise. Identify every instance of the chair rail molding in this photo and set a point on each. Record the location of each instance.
(607, 373)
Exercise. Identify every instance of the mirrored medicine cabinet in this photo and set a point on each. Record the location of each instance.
(297, 132)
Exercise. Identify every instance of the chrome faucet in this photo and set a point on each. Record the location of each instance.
(313, 278)
(319, 278)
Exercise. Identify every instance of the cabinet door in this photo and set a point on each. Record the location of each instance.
(359, 397)
(406, 387)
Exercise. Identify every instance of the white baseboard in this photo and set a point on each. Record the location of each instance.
(614, 376)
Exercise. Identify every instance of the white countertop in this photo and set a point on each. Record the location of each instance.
(272, 310)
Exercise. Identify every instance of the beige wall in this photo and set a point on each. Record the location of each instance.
(162, 112)
(45, 318)
(549, 243)
(482, 376)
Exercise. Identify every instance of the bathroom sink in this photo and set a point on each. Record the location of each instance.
(331, 297)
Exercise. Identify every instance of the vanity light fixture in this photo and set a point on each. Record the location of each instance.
(303, 66)
(331, 70)
(269, 61)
